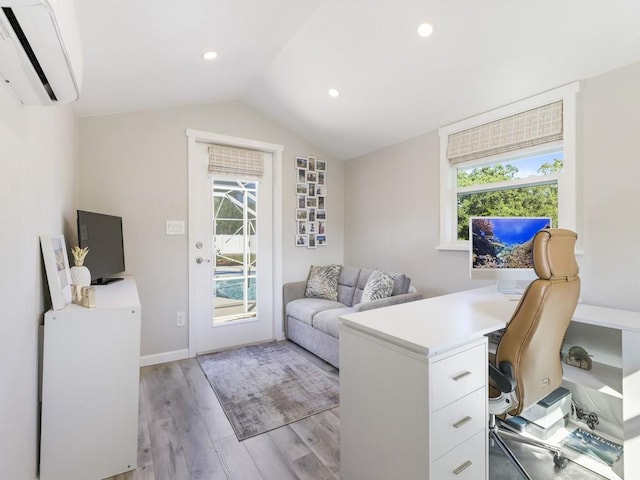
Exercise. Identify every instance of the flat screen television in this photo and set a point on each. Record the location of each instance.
(103, 235)
(501, 249)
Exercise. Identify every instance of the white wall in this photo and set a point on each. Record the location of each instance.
(135, 165)
(38, 152)
(392, 216)
(392, 205)
(610, 149)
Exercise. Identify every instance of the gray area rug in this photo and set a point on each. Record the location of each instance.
(267, 386)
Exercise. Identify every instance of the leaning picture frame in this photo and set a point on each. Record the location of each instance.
(56, 265)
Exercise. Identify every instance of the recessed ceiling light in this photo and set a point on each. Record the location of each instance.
(425, 29)
(209, 55)
(334, 93)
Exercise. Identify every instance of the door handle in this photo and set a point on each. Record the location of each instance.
(201, 260)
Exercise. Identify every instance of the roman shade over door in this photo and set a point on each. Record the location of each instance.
(235, 162)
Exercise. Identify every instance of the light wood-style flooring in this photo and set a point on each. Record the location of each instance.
(183, 434)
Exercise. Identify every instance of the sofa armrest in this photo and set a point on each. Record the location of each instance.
(385, 302)
(293, 291)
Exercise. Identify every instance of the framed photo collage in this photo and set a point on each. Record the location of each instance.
(311, 208)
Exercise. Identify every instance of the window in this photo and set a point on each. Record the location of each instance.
(521, 187)
(235, 173)
(518, 160)
(234, 235)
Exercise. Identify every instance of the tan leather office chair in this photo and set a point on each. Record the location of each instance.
(527, 365)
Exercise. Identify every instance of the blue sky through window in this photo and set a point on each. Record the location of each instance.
(527, 166)
(530, 165)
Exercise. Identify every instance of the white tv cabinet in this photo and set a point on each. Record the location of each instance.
(90, 378)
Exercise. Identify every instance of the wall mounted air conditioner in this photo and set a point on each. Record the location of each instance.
(40, 50)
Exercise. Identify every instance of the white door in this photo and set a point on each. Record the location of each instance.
(231, 254)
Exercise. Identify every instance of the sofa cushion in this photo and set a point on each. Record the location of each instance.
(304, 309)
(328, 321)
(379, 285)
(323, 282)
(400, 284)
(347, 283)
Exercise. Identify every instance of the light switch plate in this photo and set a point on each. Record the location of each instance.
(175, 227)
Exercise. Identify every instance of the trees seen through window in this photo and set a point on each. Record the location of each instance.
(525, 187)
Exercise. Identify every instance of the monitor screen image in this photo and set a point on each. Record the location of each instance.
(501, 249)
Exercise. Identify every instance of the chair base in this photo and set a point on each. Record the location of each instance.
(496, 432)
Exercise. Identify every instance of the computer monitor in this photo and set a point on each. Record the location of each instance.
(501, 249)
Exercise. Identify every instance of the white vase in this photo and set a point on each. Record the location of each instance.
(80, 276)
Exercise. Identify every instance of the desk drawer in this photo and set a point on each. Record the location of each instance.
(466, 462)
(456, 376)
(457, 422)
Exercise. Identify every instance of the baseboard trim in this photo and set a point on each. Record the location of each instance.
(164, 357)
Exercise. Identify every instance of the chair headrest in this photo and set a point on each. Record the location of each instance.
(553, 254)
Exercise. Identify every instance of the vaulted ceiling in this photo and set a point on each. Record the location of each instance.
(282, 56)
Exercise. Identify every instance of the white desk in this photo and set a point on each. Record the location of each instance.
(413, 385)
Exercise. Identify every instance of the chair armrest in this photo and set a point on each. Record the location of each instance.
(293, 291)
(503, 377)
(385, 302)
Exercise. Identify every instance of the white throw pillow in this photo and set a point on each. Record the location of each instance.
(379, 285)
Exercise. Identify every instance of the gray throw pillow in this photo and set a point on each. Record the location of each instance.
(379, 285)
(323, 282)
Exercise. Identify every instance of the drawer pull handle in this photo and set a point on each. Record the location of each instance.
(462, 467)
(461, 422)
(461, 376)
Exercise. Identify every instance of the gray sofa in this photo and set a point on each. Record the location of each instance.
(313, 323)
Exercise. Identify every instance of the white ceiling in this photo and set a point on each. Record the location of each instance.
(282, 56)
